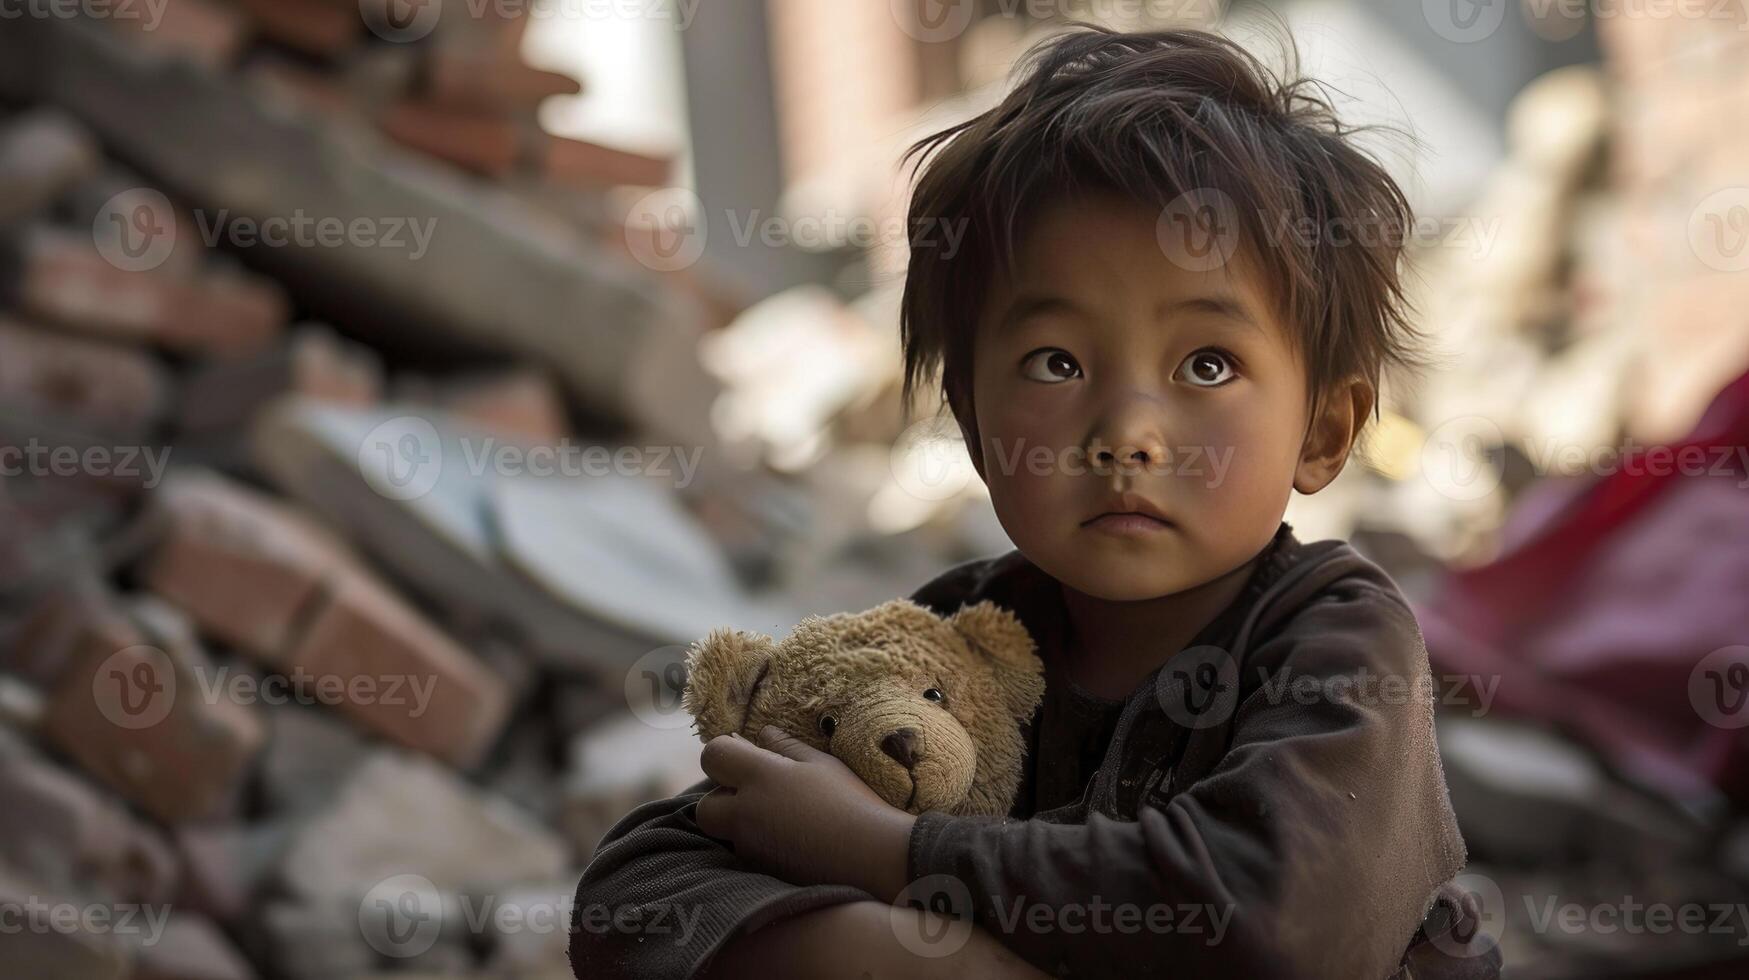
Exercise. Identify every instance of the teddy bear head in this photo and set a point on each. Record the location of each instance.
(925, 709)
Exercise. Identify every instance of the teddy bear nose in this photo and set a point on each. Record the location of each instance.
(902, 746)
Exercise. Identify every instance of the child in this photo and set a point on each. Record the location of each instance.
(1177, 291)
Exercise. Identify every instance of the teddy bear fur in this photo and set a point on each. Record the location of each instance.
(869, 671)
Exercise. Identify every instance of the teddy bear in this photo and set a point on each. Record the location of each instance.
(925, 709)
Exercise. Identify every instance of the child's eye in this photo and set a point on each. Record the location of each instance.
(1050, 365)
(1207, 369)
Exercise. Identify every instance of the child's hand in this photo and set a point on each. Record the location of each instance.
(802, 815)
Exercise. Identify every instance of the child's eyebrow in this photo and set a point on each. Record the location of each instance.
(1219, 304)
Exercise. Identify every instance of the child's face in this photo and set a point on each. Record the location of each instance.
(1108, 368)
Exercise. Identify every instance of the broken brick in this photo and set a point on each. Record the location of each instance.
(66, 280)
(259, 576)
(584, 164)
(133, 711)
(110, 388)
(244, 567)
(481, 143)
(488, 82)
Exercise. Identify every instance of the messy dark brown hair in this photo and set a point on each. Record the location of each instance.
(1154, 116)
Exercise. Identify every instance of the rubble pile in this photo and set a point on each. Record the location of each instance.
(358, 498)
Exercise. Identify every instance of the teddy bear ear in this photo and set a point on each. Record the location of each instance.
(722, 672)
(999, 635)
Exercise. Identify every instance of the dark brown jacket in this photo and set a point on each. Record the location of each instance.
(1278, 776)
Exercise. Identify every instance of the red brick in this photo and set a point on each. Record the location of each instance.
(244, 567)
(482, 143)
(367, 632)
(66, 281)
(490, 82)
(42, 155)
(258, 576)
(311, 26)
(584, 164)
(132, 712)
(202, 31)
(105, 386)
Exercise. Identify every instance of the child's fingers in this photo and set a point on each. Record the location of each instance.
(729, 760)
(714, 813)
(786, 745)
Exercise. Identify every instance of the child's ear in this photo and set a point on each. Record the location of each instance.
(722, 673)
(998, 635)
(1330, 437)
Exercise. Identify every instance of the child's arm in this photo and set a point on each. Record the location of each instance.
(660, 896)
(861, 940)
(1309, 849)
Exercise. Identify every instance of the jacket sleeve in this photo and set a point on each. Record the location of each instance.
(660, 896)
(1311, 849)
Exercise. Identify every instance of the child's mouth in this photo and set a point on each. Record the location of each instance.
(1127, 523)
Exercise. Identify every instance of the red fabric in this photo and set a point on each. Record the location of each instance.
(1597, 615)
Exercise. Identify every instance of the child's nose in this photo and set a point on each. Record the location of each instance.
(1130, 435)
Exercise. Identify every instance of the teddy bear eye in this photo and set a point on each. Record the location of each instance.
(828, 725)
(934, 694)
